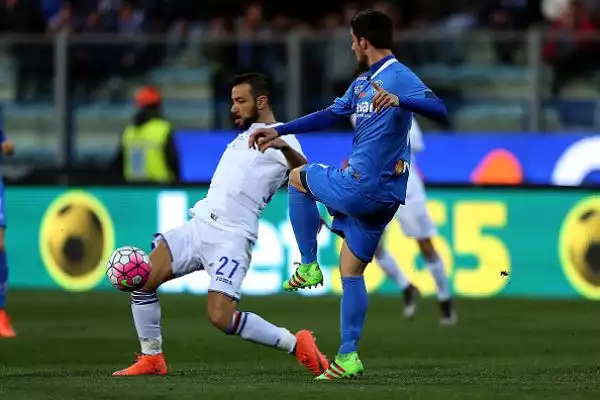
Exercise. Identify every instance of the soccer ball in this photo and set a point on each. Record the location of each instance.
(585, 245)
(75, 239)
(128, 268)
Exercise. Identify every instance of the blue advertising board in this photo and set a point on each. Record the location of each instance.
(542, 159)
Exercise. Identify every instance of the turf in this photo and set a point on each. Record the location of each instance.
(69, 344)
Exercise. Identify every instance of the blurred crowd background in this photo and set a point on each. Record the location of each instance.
(68, 69)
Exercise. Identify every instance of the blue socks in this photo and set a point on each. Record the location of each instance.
(305, 219)
(353, 312)
(3, 278)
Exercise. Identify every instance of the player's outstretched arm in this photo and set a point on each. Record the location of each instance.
(263, 137)
(293, 158)
(426, 103)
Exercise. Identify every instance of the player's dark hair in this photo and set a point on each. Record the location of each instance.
(375, 27)
(260, 84)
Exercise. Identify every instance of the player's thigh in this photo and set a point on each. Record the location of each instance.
(226, 257)
(175, 253)
(415, 221)
(362, 237)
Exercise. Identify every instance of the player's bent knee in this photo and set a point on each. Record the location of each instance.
(427, 248)
(295, 179)
(350, 264)
(161, 267)
(220, 310)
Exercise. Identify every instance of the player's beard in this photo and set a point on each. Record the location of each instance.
(247, 122)
(361, 67)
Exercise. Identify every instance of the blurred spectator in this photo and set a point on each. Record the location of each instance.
(147, 152)
(32, 58)
(51, 8)
(504, 16)
(130, 19)
(63, 21)
(250, 27)
(569, 48)
(339, 60)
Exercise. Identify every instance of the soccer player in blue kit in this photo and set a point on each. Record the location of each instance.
(364, 196)
(6, 330)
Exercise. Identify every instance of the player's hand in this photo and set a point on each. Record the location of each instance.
(279, 144)
(8, 147)
(262, 138)
(383, 99)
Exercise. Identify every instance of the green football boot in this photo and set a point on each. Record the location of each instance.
(305, 277)
(345, 366)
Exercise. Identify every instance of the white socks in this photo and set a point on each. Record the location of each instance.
(146, 317)
(436, 267)
(391, 269)
(253, 328)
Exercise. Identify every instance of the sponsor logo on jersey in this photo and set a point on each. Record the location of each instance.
(364, 107)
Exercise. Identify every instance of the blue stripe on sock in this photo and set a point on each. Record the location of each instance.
(140, 298)
(243, 323)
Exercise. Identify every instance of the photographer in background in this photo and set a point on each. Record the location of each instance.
(147, 152)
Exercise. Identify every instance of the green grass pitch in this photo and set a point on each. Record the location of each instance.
(69, 344)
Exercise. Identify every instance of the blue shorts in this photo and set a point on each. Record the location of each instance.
(357, 218)
(2, 207)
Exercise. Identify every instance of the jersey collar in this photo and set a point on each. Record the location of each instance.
(382, 64)
(257, 125)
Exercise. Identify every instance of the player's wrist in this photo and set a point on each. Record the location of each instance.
(285, 148)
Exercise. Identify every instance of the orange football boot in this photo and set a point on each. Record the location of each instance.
(308, 354)
(145, 365)
(6, 329)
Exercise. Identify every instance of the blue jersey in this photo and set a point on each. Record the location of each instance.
(381, 142)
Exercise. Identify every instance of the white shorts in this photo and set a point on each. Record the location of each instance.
(224, 254)
(413, 217)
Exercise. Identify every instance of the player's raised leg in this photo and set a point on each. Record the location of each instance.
(305, 219)
(6, 329)
(410, 293)
(436, 266)
(146, 311)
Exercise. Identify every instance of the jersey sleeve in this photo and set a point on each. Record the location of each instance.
(413, 95)
(344, 105)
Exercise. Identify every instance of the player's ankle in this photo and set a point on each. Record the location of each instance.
(151, 346)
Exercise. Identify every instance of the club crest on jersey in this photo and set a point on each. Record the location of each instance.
(401, 167)
(379, 83)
